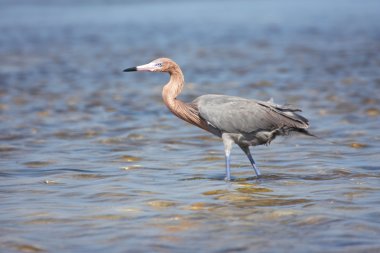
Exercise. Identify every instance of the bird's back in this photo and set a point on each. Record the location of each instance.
(238, 115)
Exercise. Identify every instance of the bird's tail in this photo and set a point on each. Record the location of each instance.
(306, 132)
(288, 131)
(285, 131)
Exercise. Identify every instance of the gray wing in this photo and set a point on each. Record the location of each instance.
(239, 115)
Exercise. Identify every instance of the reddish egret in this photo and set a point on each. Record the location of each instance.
(234, 119)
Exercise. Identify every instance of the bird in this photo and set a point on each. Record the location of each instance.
(235, 120)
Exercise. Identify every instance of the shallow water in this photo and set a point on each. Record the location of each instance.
(92, 161)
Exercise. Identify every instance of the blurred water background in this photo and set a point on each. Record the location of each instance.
(92, 161)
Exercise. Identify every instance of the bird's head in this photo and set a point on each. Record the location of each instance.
(158, 65)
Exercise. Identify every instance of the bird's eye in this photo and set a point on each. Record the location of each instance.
(158, 64)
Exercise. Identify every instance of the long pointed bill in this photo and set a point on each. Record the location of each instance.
(147, 67)
(130, 69)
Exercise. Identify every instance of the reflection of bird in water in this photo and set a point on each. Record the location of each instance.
(234, 119)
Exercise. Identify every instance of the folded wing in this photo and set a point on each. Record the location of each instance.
(238, 115)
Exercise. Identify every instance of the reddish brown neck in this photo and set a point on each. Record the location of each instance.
(182, 110)
(173, 88)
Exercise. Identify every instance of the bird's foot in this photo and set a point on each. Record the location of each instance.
(227, 178)
(257, 170)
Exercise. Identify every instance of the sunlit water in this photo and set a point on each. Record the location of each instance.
(92, 161)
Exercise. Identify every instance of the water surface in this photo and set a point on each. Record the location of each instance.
(92, 161)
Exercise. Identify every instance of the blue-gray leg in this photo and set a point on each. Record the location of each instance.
(248, 153)
(228, 171)
(227, 141)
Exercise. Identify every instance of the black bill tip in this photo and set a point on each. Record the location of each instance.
(130, 69)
